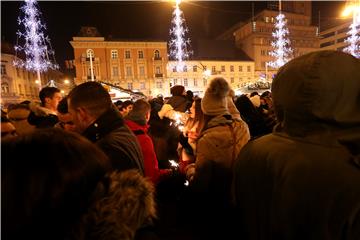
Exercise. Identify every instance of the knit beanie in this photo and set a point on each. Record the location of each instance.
(214, 102)
(177, 90)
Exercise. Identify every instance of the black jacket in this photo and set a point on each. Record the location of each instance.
(118, 142)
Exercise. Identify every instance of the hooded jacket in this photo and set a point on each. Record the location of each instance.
(42, 117)
(151, 167)
(123, 203)
(303, 180)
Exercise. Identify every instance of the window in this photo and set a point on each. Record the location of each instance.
(142, 85)
(127, 54)
(4, 88)
(249, 68)
(174, 69)
(205, 82)
(115, 71)
(263, 52)
(141, 54)
(194, 68)
(240, 69)
(128, 71)
(231, 68)
(213, 68)
(3, 69)
(130, 86)
(195, 83)
(223, 68)
(20, 89)
(232, 80)
(17, 72)
(89, 53)
(114, 54)
(157, 54)
(158, 70)
(142, 70)
(185, 68)
(185, 82)
(175, 81)
(158, 84)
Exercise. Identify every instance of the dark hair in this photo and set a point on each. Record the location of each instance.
(47, 92)
(126, 104)
(92, 96)
(177, 90)
(63, 106)
(46, 196)
(254, 94)
(199, 116)
(141, 107)
(4, 118)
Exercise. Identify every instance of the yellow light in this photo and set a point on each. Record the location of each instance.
(37, 81)
(177, 2)
(66, 81)
(347, 11)
(62, 91)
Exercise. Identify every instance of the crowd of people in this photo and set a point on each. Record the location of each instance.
(283, 164)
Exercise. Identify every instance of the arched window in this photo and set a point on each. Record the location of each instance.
(89, 53)
(157, 54)
(4, 88)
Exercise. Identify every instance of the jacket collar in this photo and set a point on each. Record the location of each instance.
(106, 123)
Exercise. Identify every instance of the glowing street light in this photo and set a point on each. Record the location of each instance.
(66, 81)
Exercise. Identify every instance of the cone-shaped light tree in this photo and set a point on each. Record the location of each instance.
(281, 43)
(32, 41)
(354, 33)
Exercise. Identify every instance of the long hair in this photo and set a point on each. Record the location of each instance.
(199, 117)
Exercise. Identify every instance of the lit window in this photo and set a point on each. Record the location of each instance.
(4, 88)
(240, 69)
(130, 86)
(142, 85)
(115, 71)
(213, 68)
(185, 82)
(158, 84)
(194, 68)
(157, 54)
(195, 83)
(223, 68)
(174, 69)
(141, 54)
(128, 71)
(185, 68)
(114, 54)
(232, 80)
(205, 82)
(127, 54)
(89, 53)
(158, 70)
(249, 68)
(3, 69)
(175, 81)
(231, 68)
(142, 70)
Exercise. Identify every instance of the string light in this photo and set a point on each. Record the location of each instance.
(178, 44)
(281, 43)
(354, 33)
(35, 42)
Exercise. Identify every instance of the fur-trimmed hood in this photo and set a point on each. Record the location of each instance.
(124, 202)
(40, 111)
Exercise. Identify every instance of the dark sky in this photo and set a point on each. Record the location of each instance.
(137, 19)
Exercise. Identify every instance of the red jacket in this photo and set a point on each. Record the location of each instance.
(151, 167)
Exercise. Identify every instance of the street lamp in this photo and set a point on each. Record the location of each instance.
(66, 81)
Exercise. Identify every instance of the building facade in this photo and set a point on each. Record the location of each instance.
(134, 65)
(255, 35)
(333, 38)
(197, 74)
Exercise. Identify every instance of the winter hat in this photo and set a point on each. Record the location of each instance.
(214, 102)
(177, 90)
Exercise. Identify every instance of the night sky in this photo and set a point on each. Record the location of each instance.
(138, 19)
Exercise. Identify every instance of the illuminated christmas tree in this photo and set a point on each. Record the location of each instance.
(354, 34)
(179, 45)
(281, 44)
(32, 42)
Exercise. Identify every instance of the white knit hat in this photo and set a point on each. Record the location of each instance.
(214, 102)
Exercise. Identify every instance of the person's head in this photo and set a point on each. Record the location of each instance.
(141, 110)
(46, 196)
(65, 118)
(254, 94)
(177, 90)
(214, 102)
(118, 104)
(245, 106)
(7, 128)
(126, 107)
(318, 92)
(196, 114)
(87, 102)
(50, 97)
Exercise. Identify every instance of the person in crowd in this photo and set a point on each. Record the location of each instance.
(18, 115)
(7, 128)
(45, 116)
(65, 118)
(96, 118)
(190, 98)
(118, 104)
(137, 120)
(255, 99)
(254, 119)
(66, 191)
(302, 181)
(126, 107)
(178, 99)
(219, 143)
